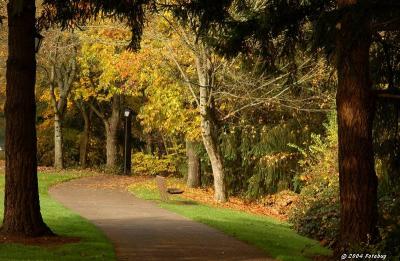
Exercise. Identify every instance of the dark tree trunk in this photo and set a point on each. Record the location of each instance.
(111, 124)
(111, 147)
(194, 169)
(355, 106)
(85, 136)
(149, 144)
(22, 215)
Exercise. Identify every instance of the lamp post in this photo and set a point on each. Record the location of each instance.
(38, 42)
(127, 147)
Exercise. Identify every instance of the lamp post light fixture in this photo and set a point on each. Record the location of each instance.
(38, 42)
(127, 112)
(127, 148)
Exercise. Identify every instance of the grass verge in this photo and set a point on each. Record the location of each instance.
(93, 245)
(276, 238)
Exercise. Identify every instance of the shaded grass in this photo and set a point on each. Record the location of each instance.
(93, 245)
(276, 238)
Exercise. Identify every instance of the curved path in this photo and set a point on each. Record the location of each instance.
(142, 231)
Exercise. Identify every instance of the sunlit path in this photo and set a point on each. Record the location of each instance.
(142, 231)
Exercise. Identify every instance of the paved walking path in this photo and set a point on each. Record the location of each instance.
(140, 230)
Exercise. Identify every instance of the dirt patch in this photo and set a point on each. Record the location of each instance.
(281, 203)
(48, 241)
(266, 207)
(276, 206)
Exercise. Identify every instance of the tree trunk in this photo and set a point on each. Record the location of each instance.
(111, 125)
(149, 144)
(194, 169)
(355, 107)
(213, 152)
(85, 137)
(111, 147)
(58, 143)
(22, 215)
(61, 77)
(208, 126)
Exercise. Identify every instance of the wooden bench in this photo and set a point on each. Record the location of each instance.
(164, 191)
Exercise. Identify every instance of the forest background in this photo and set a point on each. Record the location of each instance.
(271, 123)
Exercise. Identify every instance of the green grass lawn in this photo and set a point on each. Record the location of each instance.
(274, 237)
(93, 246)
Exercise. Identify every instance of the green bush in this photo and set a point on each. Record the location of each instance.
(316, 214)
(389, 223)
(257, 158)
(147, 164)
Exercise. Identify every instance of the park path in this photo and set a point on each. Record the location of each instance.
(140, 230)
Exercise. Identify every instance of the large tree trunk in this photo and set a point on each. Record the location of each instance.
(22, 215)
(208, 126)
(194, 169)
(355, 106)
(58, 143)
(111, 125)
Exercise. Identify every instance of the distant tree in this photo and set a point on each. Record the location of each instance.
(87, 114)
(200, 77)
(59, 61)
(194, 165)
(111, 119)
(167, 107)
(100, 84)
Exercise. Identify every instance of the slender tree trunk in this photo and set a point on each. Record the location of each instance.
(208, 126)
(161, 146)
(213, 152)
(61, 76)
(149, 144)
(355, 106)
(194, 167)
(58, 143)
(85, 137)
(164, 145)
(22, 215)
